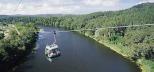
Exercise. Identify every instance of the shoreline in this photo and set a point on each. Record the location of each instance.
(115, 49)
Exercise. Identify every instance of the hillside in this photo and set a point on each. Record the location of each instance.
(135, 43)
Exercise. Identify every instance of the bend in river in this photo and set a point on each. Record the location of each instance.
(79, 54)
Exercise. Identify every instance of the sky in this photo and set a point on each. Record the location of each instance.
(30, 7)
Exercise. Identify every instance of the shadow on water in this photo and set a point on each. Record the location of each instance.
(78, 54)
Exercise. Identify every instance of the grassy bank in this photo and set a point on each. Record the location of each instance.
(135, 43)
(144, 64)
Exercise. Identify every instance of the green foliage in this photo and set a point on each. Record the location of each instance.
(138, 39)
(140, 14)
(147, 65)
(15, 46)
(1, 35)
(135, 42)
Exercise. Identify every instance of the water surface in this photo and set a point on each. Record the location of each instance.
(79, 54)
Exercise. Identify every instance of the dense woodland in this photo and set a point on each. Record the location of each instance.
(137, 43)
(14, 46)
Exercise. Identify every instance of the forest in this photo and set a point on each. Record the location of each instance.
(135, 43)
(16, 45)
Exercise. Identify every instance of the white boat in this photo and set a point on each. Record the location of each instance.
(52, 51)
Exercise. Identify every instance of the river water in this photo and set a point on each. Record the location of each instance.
(79, 54)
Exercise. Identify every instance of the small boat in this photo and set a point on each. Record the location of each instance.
(52, 51)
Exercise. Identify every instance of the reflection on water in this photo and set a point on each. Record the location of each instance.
(49, 59)
(79, 54)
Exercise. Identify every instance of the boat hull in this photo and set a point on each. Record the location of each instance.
(53, 55)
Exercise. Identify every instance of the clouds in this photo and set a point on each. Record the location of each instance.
(101, 2)
(63, 6)
(38, 6)
(143, 1)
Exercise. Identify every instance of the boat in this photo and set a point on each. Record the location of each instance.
(52, 51)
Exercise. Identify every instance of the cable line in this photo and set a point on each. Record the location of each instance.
(18, 5)
(108, 27)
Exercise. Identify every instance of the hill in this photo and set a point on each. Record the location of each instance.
(135, 43)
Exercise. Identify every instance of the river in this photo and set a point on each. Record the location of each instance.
(79, 54)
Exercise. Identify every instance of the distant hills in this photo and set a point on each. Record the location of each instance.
(136, 43)
(139, 6)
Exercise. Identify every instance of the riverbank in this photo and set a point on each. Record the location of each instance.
(143, 64)
(135, 44)
(18, 41)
